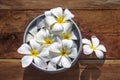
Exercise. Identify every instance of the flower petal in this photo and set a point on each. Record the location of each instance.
(33, 31)
(67, 44)
(86, 41)
(29, 37)
(58, 12)
(50, 20)
(65, 62)
(95, 41)
(68, 15)
(67, 26)
(56, 59)
(47, 13)
(26, 61)
(41, 24)
(55, 47)
(51, 66)
(44, 54)
(73, 36)
(99, 54)
(40, 62)
(73, 53)
(34, 45)
(87, 50)
(40, 36)
(101, 47)
(24, 49)
(57, 28)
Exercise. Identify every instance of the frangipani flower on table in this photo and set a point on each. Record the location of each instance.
(95, 46)
(68, 33)
(44, 38)
(31, 34)
(33, 53)
(57, 19)
(62, 52)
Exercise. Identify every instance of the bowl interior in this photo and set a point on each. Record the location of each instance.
(76, 30)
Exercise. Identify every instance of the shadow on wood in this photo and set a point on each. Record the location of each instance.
(32, 73)
(92, 70)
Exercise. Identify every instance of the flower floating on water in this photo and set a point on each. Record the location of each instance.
(61, 53)
(95, 46)
(57, 19)
(33, 52)
(52, 43)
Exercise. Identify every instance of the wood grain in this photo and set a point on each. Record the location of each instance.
(104, 24)
(84, 70)
(71, 4)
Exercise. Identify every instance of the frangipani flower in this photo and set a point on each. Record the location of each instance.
(68, 33)
(33, 53)
(57, 19)
(95, 46)
(44, 38)
(61, 53)
(31, 34)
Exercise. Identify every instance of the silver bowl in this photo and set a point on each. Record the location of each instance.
(76, 30)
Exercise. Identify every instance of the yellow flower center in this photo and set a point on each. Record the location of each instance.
(93, 47)
(60, 20)
(48, 41)
(63, 52)
(65, 36)
(34, 53)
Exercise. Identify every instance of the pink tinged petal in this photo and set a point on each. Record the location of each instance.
(87, 50)
(68, 15)
(99, 54)
(58, 12)
(50, 20)
(67, 26)
(47, 13)
(73, 36)
(40, 62)
(66, 63)
(56, 60)
(57, 28)
(73, 53)
(34, 45)
(26, 61)
(101, 47)
(55, 47)
(86, 41)
(24, 49)
(95, 41)
(29, 37)
(51, 66)
(67, 44)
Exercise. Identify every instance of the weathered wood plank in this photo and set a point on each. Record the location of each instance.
(45, 4)
(104, 24)
(83, 70)
(9, 43)
(99, 21)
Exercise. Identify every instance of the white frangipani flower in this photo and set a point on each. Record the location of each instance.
(57, 19)
(33, 53)
(68, 33)
(44, 38)
(95, 46)
(61, 53)
(31, 34)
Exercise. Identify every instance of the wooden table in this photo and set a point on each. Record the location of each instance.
(94, 17)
